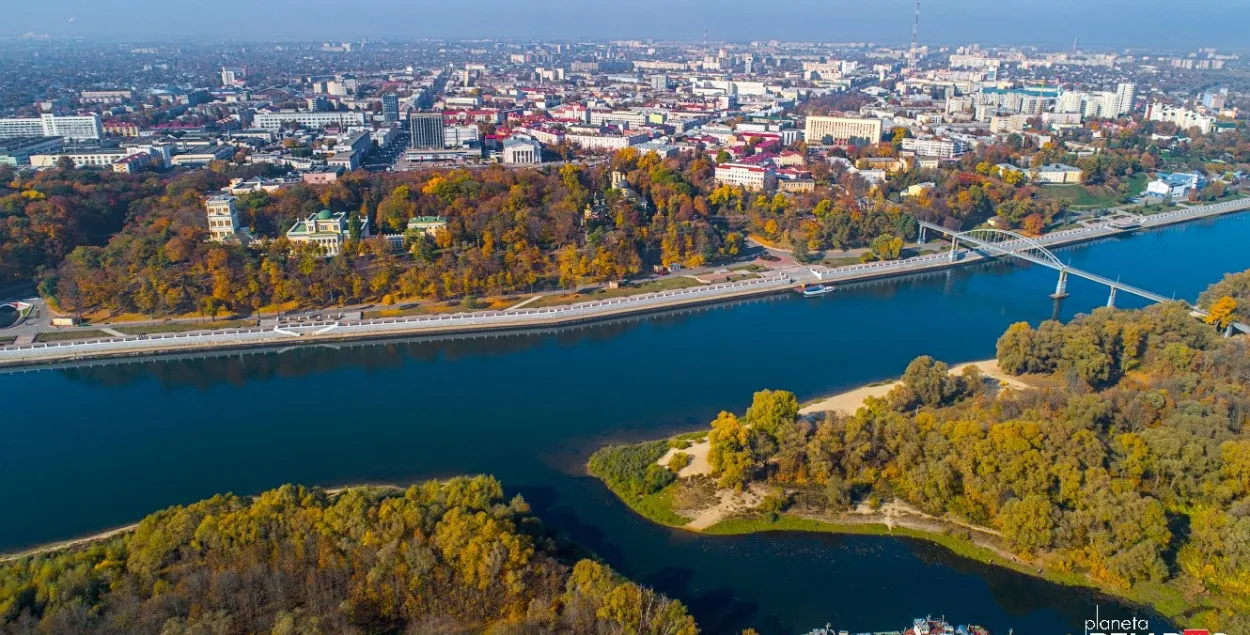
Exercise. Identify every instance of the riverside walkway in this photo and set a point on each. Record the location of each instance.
(517, 317)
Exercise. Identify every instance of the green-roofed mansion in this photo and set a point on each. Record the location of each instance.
(326, 229)
(330, 230)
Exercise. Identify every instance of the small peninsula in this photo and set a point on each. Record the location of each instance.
(1111, 452)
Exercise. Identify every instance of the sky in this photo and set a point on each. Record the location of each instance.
(1157, 24)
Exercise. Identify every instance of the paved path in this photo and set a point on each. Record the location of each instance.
(112, 332)
(522, 303)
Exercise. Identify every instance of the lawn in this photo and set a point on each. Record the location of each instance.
(183, 327)
(654, 286)
(1092, 196)
(441, 308)
(8, 339)
(65, 336)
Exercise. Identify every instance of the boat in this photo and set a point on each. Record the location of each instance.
(813, 290)
(919, 626)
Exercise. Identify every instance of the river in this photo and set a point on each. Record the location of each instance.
(98, 446)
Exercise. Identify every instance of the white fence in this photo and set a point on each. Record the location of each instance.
(289, 332)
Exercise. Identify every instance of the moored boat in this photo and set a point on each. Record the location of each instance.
(813, 290)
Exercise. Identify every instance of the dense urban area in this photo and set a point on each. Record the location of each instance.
(161, 183)
(290, 187)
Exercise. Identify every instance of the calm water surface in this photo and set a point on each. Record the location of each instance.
(93, 447)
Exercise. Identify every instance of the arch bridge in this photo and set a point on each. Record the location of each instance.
(997, 243)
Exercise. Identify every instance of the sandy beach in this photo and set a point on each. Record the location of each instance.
(850, 401)
(729, 502)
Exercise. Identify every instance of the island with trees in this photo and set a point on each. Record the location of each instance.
(455, 556)
(1114, 452)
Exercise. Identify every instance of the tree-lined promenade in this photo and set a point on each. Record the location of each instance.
(108, 244)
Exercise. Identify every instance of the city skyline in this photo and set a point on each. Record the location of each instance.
(1141, 24)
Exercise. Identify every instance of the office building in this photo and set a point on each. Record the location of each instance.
(390, 107)
(606, 141)
(660, 82)
(274, 121)
(73, 128)
(841, 130)
(936, 147)
(749, 177)
(426, 129)
(521, 149)
(457, 136)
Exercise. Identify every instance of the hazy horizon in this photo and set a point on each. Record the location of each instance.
(1096, 24)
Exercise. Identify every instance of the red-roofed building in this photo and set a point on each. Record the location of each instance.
(749, 177)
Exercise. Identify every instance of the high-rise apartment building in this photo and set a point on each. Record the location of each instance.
(72, 128)
(232, 76)
(390, 107)
(1125, 93)
(426, 129)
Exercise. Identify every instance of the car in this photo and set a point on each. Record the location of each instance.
(769, 257)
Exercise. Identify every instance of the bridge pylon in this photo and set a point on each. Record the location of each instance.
(1111, 299)
(1061, 289)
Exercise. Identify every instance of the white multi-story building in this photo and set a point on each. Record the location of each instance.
(842, 129)
(456, 136)
(223, 218)
(748, 177)
(275, 120)
(1183, 117)
(232, 76)
(72, 128)
(520, 149)
(93, 158)
(936, 147)
(605, 142)
(1125, 94)
(105, 96)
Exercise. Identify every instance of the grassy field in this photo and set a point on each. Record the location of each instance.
(440, 308)
(1092, 196)
(183, 327)
(7, 339)
(667, 284)
(65, 336)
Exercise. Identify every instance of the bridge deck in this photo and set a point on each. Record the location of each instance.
(1004, 249)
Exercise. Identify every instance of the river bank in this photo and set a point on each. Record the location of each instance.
(694, 502)
(74, 543)
(323, 331)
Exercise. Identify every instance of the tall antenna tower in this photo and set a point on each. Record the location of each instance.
(915, 38)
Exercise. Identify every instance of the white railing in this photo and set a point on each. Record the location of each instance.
(416, 324)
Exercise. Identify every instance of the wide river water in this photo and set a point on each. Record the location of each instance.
(89, 448)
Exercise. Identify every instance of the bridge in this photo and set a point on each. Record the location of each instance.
(995, 243)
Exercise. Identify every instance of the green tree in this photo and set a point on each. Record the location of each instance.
(772, 411)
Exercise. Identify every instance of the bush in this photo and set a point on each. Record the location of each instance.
(679, 461)
(632, 469)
